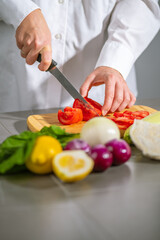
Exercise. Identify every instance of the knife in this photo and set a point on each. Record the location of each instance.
(65, 83)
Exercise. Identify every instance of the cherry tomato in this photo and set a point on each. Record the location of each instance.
(88, 113)
(70, 115)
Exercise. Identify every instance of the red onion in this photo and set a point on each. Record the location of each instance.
(102, 158)
(120, 149)
(78, 144)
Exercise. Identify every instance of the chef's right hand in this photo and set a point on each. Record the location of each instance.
(33, 37)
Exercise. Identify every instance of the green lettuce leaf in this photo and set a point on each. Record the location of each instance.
(17, 148)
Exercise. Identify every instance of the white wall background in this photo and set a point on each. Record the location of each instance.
(148, 71)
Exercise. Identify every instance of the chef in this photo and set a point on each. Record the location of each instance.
(94, 42)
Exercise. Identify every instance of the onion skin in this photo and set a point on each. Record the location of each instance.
(78, 144)
(102, 158)
(99, 130)
(120, 149)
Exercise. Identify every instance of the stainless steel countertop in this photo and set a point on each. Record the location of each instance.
(122, 203)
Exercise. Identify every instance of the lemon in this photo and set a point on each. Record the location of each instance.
(44, 150)
(72, 165)
(146, 137)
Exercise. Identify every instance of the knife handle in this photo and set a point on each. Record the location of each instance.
(53, 63)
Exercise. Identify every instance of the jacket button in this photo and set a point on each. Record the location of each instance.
(58, 36)
(61, 1)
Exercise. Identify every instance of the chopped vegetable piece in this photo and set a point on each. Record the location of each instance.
(88, 113)
(70, 115)
(126, 118)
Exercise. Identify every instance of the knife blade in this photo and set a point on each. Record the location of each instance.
(66, 84)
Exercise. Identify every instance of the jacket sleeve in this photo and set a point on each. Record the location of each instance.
(14, 11)
(132, 27)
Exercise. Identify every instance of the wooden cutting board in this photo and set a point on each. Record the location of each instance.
(37, 122)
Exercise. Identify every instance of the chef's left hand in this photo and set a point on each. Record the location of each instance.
(117, 94)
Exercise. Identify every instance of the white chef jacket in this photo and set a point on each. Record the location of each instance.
(85, 34)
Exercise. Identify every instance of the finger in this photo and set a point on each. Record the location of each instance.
(132, 100)
(125, 101)
(86, 86)
(23, 54)
(28, 40)
(31, 57)
(19, 44)
(19, 40)
(109, 96)
(24, 51)
(46, 58)
(28, 45)
(118, 98)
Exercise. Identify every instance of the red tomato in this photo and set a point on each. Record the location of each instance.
(88, 113)
(121, 120)
(122, 126)
(118, 114)
(70, 115)
(135, 114)
(126, 118)
(127, 113)
(141, 114)
(111, 118)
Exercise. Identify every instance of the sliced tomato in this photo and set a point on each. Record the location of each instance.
(141, 114)
(97, 106)
(126, 118)
(123, 120)
(118, 114)
(122, 126)
(70, 115)
(111, 118)
(127, 113)
(88, 113)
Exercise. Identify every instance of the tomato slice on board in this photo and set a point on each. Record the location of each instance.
(122, 126)
(122, 120)
(97, 106)
(126, 119)
(139, 114)
(88, 113)
(127, 113)
(118, 114)
(70, 115)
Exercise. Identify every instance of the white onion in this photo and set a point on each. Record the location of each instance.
(99, 130)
